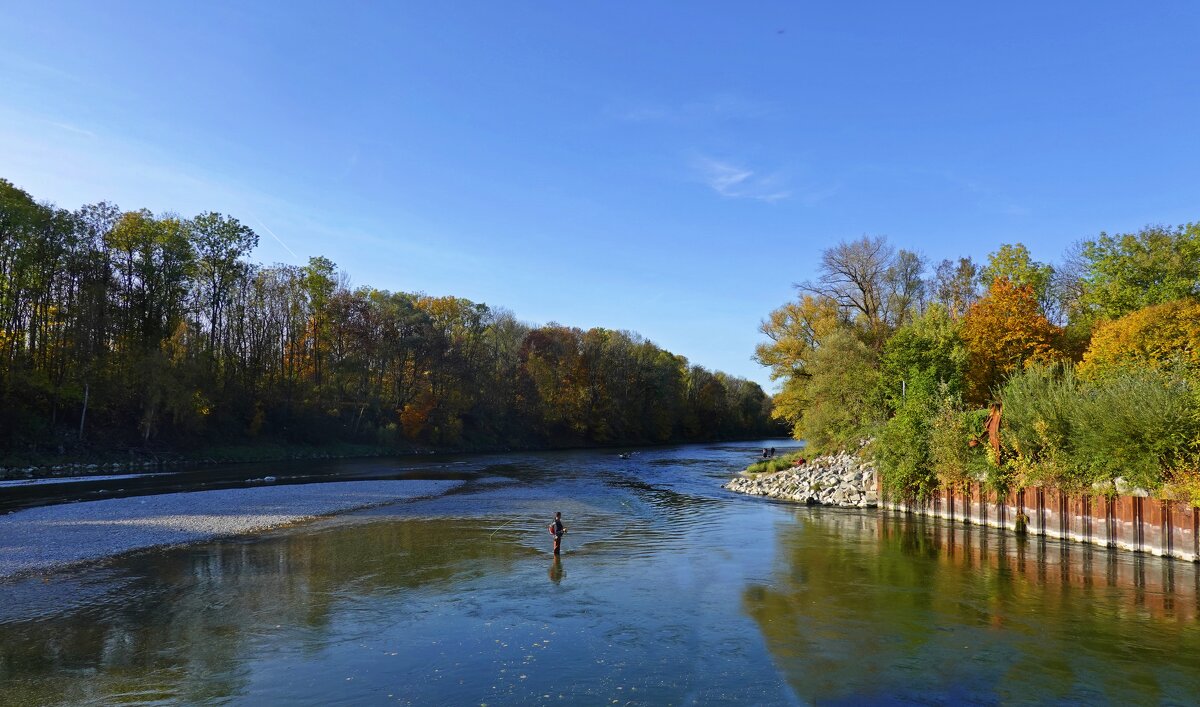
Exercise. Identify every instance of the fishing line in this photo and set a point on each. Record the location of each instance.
(501, 527)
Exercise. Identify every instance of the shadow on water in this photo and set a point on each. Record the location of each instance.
(897, 608)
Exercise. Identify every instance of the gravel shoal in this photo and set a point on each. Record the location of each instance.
(44, 538)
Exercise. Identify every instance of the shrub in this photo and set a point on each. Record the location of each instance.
(954, 459)
(902, 448)
(1037, 428)
(1137, 425)
(1134, 423)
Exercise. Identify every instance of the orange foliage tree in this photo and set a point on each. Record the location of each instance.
(1003, 331)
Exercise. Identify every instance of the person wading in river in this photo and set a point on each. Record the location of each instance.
(557, 529)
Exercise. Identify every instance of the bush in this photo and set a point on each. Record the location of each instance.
(1135, 423)
(955, 461)
(1037, 427)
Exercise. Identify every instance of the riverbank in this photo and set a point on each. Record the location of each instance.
(1131, 521)
(834, 480)
(41, 539)
(135, 460)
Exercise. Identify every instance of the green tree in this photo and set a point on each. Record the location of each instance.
(955, 285)
(928, 353)
(1013, 262)
(220, 242)
(843, 391)
(1129, 271)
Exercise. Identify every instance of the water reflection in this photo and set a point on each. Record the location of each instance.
(184, 628)
(887, 606)
(679, 593)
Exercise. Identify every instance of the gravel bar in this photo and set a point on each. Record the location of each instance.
(40, 539)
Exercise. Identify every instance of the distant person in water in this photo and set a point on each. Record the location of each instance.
(557, 529)
(764, 456)
(772, 452)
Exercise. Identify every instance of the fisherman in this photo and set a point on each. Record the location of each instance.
(557, 529)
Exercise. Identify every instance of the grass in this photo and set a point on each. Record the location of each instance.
(770, 466)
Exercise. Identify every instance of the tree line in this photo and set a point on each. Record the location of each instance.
(127, 328)
(1093, 364)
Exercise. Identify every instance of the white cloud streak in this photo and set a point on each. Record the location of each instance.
(734, 181)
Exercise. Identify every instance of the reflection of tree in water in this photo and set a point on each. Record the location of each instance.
(878, 606)
(192, 621)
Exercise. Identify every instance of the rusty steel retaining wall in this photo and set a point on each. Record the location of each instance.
(1167, 528)
(1164, 590)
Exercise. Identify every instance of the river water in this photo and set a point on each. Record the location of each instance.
(670, 590)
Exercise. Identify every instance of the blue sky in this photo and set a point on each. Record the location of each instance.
(670, 168)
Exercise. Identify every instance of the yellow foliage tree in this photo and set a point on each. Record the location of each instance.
(1156, 336)
(795, 331)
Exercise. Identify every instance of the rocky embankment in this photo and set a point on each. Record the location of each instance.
(835, 480)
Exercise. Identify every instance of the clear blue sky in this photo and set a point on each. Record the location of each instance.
(670, 168)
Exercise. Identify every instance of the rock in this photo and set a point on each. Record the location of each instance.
(840, 480)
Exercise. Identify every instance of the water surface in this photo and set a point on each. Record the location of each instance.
(670, 591)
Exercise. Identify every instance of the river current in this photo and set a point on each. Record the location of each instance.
(670, 590)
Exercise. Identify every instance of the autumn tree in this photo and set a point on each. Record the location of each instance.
(1003, 331)
(1160, 336)
(795, 331)
(1014, 263)
(155, 330)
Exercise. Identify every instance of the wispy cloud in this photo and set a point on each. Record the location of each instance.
(736, 181)
(26, 65)
(73, 129)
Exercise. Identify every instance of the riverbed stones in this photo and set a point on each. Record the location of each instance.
(41, 539)
(832, 480)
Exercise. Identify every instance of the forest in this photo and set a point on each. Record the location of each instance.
(1092, 363)
(130, 330)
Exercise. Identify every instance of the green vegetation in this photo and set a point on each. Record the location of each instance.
(128, 330)
(1095, 364)
(770, 466)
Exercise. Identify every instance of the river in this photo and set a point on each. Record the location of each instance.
(670, 590)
